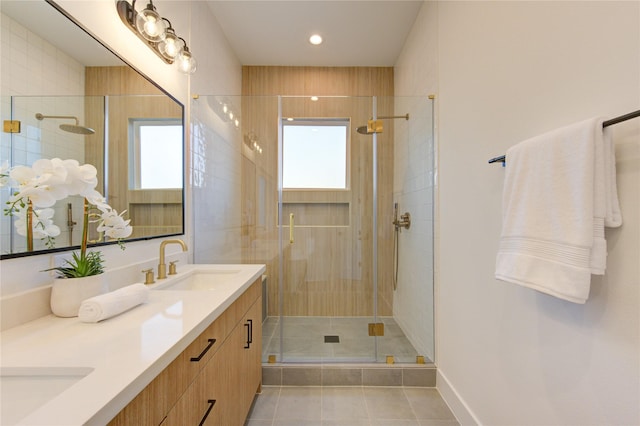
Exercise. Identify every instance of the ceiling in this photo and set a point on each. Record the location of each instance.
(355, 33)
(264, 32)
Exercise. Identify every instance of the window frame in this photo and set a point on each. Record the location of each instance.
(321, 121)
(134, 164)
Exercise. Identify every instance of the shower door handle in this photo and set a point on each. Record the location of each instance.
(290, 228)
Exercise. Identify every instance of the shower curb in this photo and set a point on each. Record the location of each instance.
(349, 375)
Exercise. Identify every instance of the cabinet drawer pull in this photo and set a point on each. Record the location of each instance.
(199, 357)
(211, 403)
(249, 326)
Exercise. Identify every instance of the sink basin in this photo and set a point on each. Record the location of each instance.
(202, 280)
(24, 390)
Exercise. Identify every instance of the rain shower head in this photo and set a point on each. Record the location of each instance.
(71, 128)
(375, 126)
(74, 128)
(364, 130)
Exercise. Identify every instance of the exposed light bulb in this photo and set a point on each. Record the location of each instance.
(172, 45)
(171, 48)
(150, 25)
(185, 62)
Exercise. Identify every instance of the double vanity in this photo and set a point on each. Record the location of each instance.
(190, 355)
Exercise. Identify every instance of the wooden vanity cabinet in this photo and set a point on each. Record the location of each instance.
(214, 380)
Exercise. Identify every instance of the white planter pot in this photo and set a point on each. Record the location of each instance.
(68, 293)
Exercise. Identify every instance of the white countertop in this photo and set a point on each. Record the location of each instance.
(126, 352)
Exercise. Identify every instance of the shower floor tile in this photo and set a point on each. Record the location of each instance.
(304, 340)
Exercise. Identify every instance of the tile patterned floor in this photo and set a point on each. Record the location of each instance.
(349, 406)
(304, 340)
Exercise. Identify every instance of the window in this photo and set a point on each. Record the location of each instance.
(315, 154)
(155, 160)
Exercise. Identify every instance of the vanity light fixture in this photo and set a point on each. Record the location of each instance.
(158, 34)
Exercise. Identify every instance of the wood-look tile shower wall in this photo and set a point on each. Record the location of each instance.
(152, 212)
(329, 269)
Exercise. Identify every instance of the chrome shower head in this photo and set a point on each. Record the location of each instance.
(71, 128)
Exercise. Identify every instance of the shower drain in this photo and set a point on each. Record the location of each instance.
(332, 339)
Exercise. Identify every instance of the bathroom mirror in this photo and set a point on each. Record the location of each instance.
(95, 108)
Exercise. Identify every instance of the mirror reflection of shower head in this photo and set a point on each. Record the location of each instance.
(375, 126)
(71, 128)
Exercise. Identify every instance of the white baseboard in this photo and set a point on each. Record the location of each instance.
(457, 405)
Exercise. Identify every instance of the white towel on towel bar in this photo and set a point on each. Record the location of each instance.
(559, 193)
(108, 305)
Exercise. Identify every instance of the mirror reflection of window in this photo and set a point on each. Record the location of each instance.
(156, 154)
(315, 154)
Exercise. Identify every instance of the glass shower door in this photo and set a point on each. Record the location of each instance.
(327, 194)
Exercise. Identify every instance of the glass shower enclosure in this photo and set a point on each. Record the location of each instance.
(307, 186)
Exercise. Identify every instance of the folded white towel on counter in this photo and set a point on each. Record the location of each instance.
(559, 194)
(107, 305)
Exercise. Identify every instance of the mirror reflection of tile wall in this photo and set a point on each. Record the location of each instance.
(32, 67)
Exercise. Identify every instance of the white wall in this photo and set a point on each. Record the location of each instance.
(218, 70)
(414, 181)
(509, 71)
(216, 161)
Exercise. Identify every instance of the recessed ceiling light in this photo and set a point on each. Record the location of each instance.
(315, 39)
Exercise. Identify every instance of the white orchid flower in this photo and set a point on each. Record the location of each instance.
(81, 179)
(4, 173)
(42, 223)
(51, 172)
(40, 196)
(43, 183)
(49, 181)
(114, 225)
(43, 226)
(96, 199)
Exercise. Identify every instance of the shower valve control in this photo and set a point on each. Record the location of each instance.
(403, 222)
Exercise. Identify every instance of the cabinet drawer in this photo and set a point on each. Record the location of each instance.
(212, 397)
(206, 344)
(151, 405)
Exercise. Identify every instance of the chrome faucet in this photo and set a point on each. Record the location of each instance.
(162, 266)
